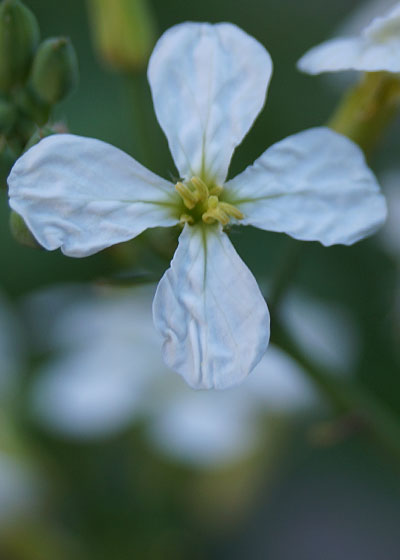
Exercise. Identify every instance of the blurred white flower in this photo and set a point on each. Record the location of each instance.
(106, 356)
(362, 16)
(209, 82)
(329, 334)
(375, 48)
(106, 373)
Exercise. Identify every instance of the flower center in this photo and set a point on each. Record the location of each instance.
(203, 203)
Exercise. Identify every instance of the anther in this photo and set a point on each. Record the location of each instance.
(189, 198)
(201, 188)
(212, 202)
(216, 190)
(231, 210)
(186, 219)
(215, 214)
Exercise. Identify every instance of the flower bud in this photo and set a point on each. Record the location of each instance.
(21, 232)
(123, 32)
(55, 70)
(7, 160)
(8, 116)
(19, 37)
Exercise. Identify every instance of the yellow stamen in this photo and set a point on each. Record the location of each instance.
(215, 212)
(231, 210)
(201, 188)
(216, 190)
(189, 197)
(186, 219)
(205, 202)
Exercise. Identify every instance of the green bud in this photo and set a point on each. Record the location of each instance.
(55, 70)
(19, 37)
(123, 31)
(8, 116)
(21, 232)
(7, 160)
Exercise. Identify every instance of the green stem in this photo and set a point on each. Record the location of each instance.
(364, 113)
(346, 396)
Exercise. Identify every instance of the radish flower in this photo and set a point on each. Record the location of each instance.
(208, 83)
(376, 48)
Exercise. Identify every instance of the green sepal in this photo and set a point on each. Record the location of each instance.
(55, 70)
(19, 38)
(21, 232)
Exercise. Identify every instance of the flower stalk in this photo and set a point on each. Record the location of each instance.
(346, 396)
(367, 109)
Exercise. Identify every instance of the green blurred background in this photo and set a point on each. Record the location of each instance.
(301, 497)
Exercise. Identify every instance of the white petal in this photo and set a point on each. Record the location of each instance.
(332, 56)
(377, 48)
(210, 312)
(83, 195)
(208, 83)
(314, 186)
(385, 28)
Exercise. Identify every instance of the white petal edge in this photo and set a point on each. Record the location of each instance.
(209, 83)
(314, 186)
(333, 56)
(83, 195)
(375, 49)
(210, 312)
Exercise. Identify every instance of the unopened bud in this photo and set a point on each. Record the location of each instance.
(123, 32)
(8, 116)
(19, 37)
(55, 70)
(7, 160)
(21, 232)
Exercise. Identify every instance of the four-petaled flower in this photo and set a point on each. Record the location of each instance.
(208, 82)
(376, 49)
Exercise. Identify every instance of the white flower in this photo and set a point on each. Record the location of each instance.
(208, 82)
(376, 48)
